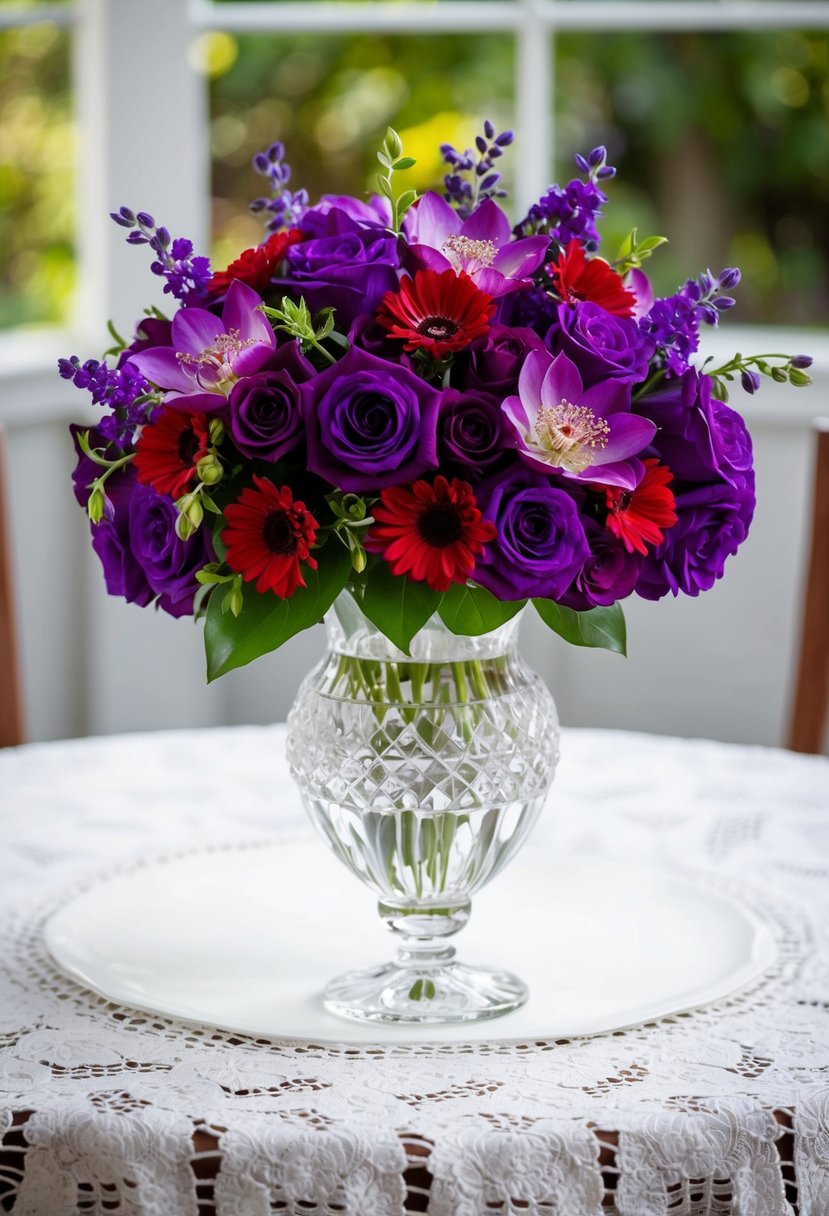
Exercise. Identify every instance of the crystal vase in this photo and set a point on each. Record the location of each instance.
(425, 773)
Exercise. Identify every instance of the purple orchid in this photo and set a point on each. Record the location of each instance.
(585, 434)
(481, 246)
(209, 355)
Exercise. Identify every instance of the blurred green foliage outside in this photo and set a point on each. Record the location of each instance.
(721, 141)
(37, 184)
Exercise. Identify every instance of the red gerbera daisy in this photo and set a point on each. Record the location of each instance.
(268, 536)
(576, 278)
(168, 450)
(436, 312)
(256, 267)
(639, 515)
(432, 533)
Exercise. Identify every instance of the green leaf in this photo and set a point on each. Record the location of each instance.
(266, 621)
(627, 246)
(650, 243)
(219, 547)
(405, 162)
(470, 611)
(398, 605)
(600, 627)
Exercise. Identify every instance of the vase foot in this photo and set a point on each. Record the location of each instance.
(452, 992)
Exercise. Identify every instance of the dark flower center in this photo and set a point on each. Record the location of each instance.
(440, 526)
(188, 446)
(438, 328)
(279, 534)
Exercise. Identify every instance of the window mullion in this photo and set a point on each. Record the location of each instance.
(533, 104)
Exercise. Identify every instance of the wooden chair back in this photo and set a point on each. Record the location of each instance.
(11, 689)
(810, 710)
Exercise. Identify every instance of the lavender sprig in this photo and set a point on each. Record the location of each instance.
(673, 323)
(474, 177)
(187, 276)
(285, 208)
(123, 390)
(567, 213)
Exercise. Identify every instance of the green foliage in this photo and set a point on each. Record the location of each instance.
(265, 622)
(470, 611)
(598, 627)
(397, 605)
(633, 252)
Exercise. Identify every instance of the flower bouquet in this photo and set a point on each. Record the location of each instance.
(411, 413)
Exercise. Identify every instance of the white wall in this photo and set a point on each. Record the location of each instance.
(717, 666)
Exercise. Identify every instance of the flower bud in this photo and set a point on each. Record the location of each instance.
(184, 529)
(801, 361)
(779, 374)
(358, 559)
(799, 378)
(210, 470)
(730, 278)
(236, 599)
(96, 506)
(216, 430)
(394, 144)
(750, 381)
(190, 508)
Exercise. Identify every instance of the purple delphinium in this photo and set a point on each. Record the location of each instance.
(540, 544)
(472, 175)
(609, 573)
(369, 424)
(188, 276)
(121, 389)
(604, 346)
(673, 322)
(712, 522)
(570, 212)
(285, 208)
(208, 355)
(583, 433)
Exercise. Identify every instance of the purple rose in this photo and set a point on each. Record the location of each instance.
(682, 410)
(369, 424)
(609, 574)
(265, 416)
(350, 271)
(473, 433)
(336, 213)
(170, 564)
(540, 545)
(712, 523)
(732, 444)
(123, 573)
(495, 361)
(602, 346)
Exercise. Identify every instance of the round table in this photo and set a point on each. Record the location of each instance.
(721, 1110)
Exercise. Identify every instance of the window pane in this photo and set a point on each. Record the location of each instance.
(36, 176)
(722, 144)
(330, 100)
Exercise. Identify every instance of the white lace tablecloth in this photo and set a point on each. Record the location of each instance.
(106, 1110)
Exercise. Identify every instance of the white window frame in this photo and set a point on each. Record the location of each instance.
(139, 106)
